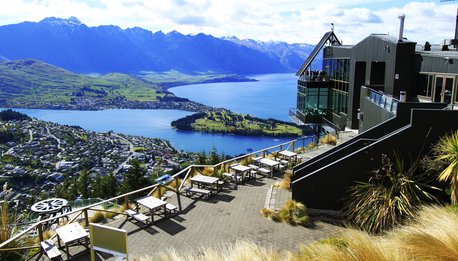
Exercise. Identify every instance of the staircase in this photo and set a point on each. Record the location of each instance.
(322, 182)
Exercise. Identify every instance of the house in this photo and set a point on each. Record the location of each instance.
(400, 95)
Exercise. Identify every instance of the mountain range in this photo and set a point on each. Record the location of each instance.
(70, 44)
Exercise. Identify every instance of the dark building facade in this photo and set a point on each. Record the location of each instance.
(400, 95)
(383, 64)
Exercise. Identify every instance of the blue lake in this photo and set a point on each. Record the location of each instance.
(270, 97)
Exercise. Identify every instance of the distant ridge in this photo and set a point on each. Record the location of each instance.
(70, 44)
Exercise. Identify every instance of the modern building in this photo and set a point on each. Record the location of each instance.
(384, 65)
(401, 96)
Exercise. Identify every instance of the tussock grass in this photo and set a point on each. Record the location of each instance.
(353, 245)
(293, 213)
(328, 139)
(432, 235)
(208, 171)
(312, 145)
(240, 250)
(97, 217)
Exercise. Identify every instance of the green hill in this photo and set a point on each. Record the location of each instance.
(33, 83)
(225, 121)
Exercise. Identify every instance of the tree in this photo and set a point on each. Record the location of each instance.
(201, 158)
(447, 150)
(135, 177)
(97, 186)
(214, 157)
(110, 186)
(83, 184)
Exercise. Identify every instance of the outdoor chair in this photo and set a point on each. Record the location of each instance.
(50, 250)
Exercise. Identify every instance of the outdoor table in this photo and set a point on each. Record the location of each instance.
(240, 169)
(269, 163)
(289, 154)
(50, 205)
(70, 233)
(212, 182)
(152, 203)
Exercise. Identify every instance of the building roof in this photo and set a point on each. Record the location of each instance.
(329, 36)
(436, 51)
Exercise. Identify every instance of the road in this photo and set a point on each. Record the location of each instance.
(131, 151)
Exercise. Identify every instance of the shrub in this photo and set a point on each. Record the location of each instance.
(286, 181)
(208, 171)
(270, 214)
(328, 139)
(312, 145)
(293, 213)
(97, 217)
(433, 236)
(446, 150)
(389, 197)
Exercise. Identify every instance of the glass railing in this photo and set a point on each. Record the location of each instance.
(385, 101)
(301, 118)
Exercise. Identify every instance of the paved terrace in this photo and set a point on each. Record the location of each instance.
(225, 218)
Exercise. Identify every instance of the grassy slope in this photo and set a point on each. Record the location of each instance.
(229, 122)
(174, 78)
(28, 81)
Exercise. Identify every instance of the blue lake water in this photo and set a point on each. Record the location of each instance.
(270, 97)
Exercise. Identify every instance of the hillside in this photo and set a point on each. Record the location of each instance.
(72, 45)
(233, 123)
(35, 84)
(32, 83)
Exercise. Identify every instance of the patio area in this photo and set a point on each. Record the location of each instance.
(224, 218)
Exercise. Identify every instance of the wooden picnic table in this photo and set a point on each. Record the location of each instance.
(152, 203)
(289, 154)
(240, 169)
(70, 233)
(270, 164)
(208, 181)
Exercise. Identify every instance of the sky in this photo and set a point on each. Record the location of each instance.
(292, 21)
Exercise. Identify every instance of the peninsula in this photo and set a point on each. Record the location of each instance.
(225, 121)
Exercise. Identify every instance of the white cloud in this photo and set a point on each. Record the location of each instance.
(288, 20)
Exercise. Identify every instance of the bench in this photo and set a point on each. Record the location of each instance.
(137, 216)
(171, 209)
(51, 250)
(231, 176)
(264, 171)
(193, 191)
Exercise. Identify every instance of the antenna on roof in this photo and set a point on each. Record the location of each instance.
(332, 27)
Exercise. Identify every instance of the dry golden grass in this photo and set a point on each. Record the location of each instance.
(208, 171)
(240, 250)
(353, 245)
(328, 139)
(97, 217)
(433, 236)
(159, 191)
(312, 145)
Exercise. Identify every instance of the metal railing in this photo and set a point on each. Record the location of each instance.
(385, 101)
(83, 212)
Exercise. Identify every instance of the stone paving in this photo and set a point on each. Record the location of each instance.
(229, 216)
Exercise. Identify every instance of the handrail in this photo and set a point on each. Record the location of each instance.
(175, 176)
(387, 102)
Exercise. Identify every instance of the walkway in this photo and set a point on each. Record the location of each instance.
(227, 217)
